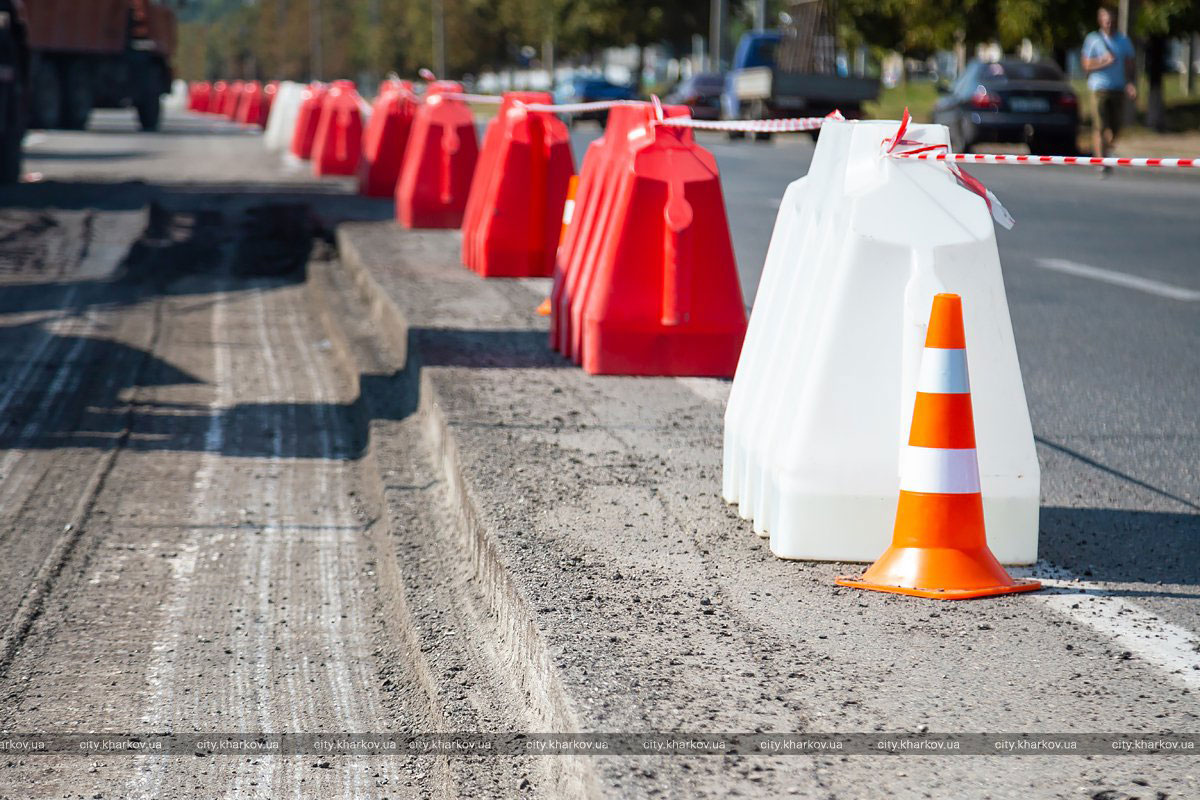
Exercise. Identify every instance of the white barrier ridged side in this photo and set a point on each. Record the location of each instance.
(177, 99)
(822, 401)
(281, 120)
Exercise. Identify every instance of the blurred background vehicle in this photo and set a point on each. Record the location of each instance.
(794, 71)
(1011, 101)
(589, 89)
(701, 93)
(98, 53)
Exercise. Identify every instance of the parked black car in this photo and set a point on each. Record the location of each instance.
(701, 93)
(1011, 101)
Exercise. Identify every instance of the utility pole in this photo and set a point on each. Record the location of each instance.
(717, 51)
(760, 15)
(314, 39)
(439, 39)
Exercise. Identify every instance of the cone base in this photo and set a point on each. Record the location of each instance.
(941, 594)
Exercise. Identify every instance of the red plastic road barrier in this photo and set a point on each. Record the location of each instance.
(307, 119)
(198, 96)
(251, 108)
(664, 298)
(385, 138)
(337, 146)
(514, 213)
(232, 97)
(590, 226)
(438, 161)
(220, 89)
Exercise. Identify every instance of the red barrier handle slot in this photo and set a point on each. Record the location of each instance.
(677, 256)
(450, 146)
(539, 158)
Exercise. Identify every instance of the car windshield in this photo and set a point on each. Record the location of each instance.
(1022, 71)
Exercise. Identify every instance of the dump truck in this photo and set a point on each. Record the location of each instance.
(98, 54)
(14, 69)
(794, 71)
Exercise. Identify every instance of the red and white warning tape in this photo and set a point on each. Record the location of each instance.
(575, 108)
(493, 99)
(1074, 161)
(794, 125)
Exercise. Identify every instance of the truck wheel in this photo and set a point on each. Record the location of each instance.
(10, 137)
(46, 104)
(147, 80)
(149, 110)
(763, 136)
(76, 95)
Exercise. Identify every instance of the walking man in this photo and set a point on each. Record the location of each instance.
(1108, 62)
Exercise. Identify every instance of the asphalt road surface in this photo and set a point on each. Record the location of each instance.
(187, 518)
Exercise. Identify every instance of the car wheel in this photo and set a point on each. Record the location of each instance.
(735, 135)
(958, 140)
(763, 136)
(12, 131)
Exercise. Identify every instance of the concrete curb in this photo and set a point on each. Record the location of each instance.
(320, 286)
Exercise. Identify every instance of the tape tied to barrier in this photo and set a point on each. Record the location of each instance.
(891, 149)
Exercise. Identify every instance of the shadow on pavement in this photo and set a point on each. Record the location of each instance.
(66, 390)
(86, 155)
(1123, 546)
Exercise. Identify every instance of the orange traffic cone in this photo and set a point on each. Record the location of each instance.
(544, 309)
(939, 548)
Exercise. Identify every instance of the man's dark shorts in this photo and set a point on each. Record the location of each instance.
(1108, 109)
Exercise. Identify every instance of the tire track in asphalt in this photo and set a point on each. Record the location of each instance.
(340, 521)
(160, 676)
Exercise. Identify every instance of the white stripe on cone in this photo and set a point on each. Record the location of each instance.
(937, 470)
(943, 371)
(568, 211)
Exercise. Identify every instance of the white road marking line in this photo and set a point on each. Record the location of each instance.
(1140, 632)
(1141, 284)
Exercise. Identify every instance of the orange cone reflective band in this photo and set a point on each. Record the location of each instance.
(568, 207)
(939, 547)
(543, 310)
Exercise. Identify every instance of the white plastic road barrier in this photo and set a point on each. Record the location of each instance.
(281, 120)
(177, 99)
(819, 411)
